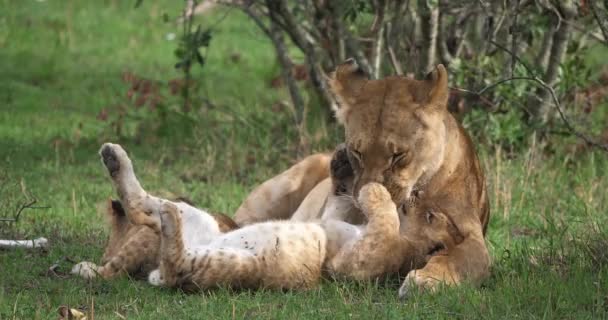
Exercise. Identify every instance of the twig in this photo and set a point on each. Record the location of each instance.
(287, 67)
(597, 36)
(377, 29)
(391, 53)
(548, 88)
(601, 18)
(556, 102)
(514, 32)
(429, 23)
(27, 205)
(514, 57)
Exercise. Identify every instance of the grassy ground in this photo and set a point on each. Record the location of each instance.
(60, 66)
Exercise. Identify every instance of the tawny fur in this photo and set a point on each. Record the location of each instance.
(133, 246)
(279, 254)
(193, 251)
(131, 249)
(385, 244)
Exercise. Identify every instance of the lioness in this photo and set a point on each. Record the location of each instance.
(399, 134)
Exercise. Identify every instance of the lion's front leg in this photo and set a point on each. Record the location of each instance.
(139, 252)
(468, 261)
(280, 196)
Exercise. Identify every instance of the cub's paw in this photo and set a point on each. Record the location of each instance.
(114, 158)
(419, 280)
(86, 270)
(374, 196)
(155, 279)
(169, 219)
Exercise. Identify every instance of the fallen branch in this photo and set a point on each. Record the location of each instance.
(25, 244)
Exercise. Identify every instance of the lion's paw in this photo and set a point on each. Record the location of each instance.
(155, 279)
(373, 197)
(340, 167)
(418, 279)
(114, 158)
(86, 270)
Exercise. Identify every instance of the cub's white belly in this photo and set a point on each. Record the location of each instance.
(198, 226)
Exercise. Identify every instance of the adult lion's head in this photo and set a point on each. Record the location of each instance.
(395, 133)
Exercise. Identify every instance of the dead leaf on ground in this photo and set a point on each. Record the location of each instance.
(67, 313)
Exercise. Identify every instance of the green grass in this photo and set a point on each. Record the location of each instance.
(61, 64)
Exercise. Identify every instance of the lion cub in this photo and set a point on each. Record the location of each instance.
(194, 253)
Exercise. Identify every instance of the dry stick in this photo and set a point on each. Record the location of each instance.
(300, 38)
(514, 33)
(542, 57)
(15, 218)
(377, 30)
(28, 205)
(442, 45)
(391, 53)
(290, 81)
(429, 24)
(26, 244)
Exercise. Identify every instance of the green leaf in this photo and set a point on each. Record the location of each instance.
(138, 3)
(199, 58)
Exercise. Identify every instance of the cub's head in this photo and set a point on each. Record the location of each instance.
(430, 228)
(395, 131)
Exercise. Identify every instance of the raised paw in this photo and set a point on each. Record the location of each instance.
(340, 167)
(419, 280)
(169, 218)
(86, 270)
(374, 196)
(114, 158)
(155, 279)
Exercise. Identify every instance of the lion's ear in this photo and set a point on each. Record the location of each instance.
(439, 91)
(345, 84)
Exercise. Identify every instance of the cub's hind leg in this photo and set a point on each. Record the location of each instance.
(202, 267)
(133, 197)
(172, 248)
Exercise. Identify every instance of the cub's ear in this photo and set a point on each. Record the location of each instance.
(345, 84)
(438, 84)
